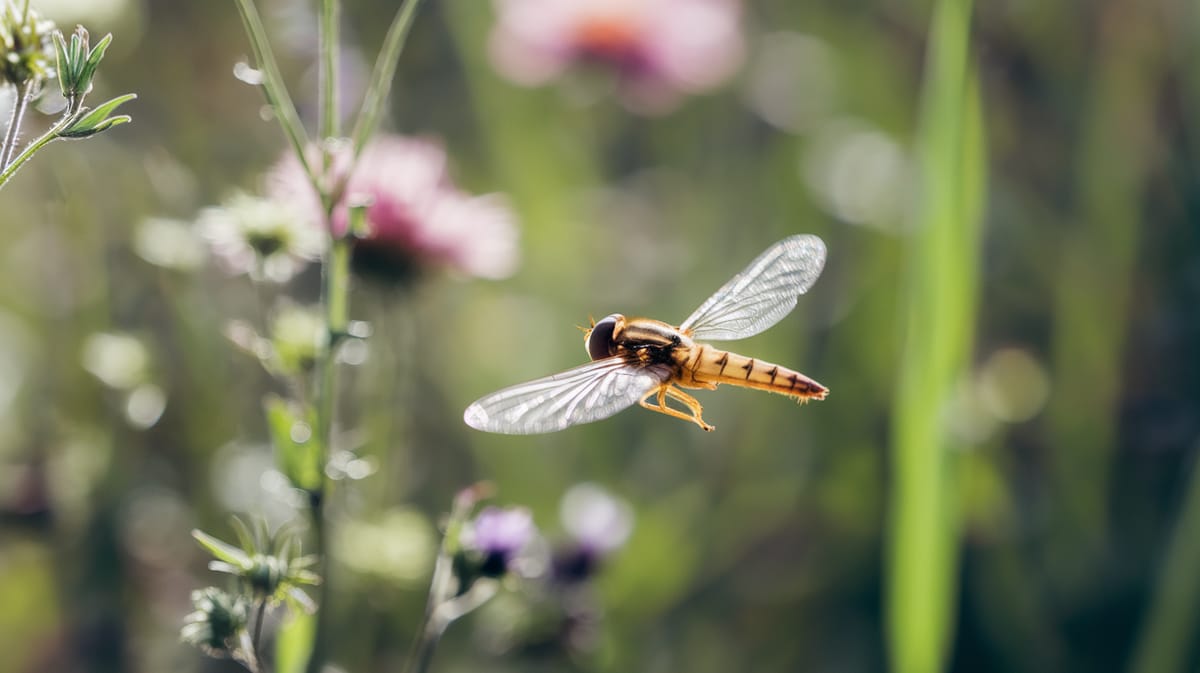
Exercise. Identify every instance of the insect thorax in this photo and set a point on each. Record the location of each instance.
(653, 342)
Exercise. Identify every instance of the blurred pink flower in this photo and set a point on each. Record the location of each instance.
(659, 49)
(416, 216)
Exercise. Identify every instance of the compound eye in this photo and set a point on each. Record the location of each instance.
(600, 339)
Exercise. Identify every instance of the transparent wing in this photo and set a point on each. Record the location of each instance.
(762, 294)
(584, 394)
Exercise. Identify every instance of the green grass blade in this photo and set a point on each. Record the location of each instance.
(1119, 126)
(1165, 642)
(939, 322)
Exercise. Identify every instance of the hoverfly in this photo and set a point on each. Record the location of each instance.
(648, 362)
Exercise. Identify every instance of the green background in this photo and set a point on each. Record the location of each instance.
(1050, 347)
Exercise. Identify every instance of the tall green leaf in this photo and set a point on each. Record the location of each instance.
(939, 317)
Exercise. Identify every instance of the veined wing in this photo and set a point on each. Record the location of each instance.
(584, 394)
(762, 294)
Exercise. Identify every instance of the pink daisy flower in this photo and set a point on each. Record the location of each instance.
(658, 49)
(416, 216)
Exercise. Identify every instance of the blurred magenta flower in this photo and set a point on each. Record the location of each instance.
(416, 215)
(659, 50)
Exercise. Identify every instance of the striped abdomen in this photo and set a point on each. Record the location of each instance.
(706, 365)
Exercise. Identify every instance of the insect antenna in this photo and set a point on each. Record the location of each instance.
(587, 330)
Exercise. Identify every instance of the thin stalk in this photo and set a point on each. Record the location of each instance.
(443, 606)
(337, 317)
(46, 138)
(336, 300)
(382, 75)
(335, 292)
(14, 123)
(443, 610)
(433, 626)
(328, 123)
(427, 640)
(258, 625)
(318, 654)
(272, 85)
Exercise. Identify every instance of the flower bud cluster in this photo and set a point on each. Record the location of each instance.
(26, 46)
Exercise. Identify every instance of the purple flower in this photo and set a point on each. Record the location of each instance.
(499, 535)
(416, 215)
(659, 50)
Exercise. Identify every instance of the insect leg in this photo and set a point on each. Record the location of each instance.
(666, 390)
(691, 403)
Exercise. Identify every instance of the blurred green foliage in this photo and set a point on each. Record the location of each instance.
(761, 546)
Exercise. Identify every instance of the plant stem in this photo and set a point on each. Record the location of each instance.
(442, 611)
(335, 299)
(422, 654)
(317, 656)
(328, 123)
(432, 626)
(14, 124)
(272, 85)
(381, 76)
(337, 319)
(258, 624)
(45, 139)
(439, 608)
(336, 295)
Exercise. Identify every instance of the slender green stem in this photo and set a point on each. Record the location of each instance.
(440, 610)
(14, 123)
(328, 124)
(256, 660)
(318, 653)
(382, 75)
(444, 609)
(69, 118)
(432, 626)
(272, 85)
(258, 625)
(335, 288)
(336, 300)
(337, 318)
(422, 653)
